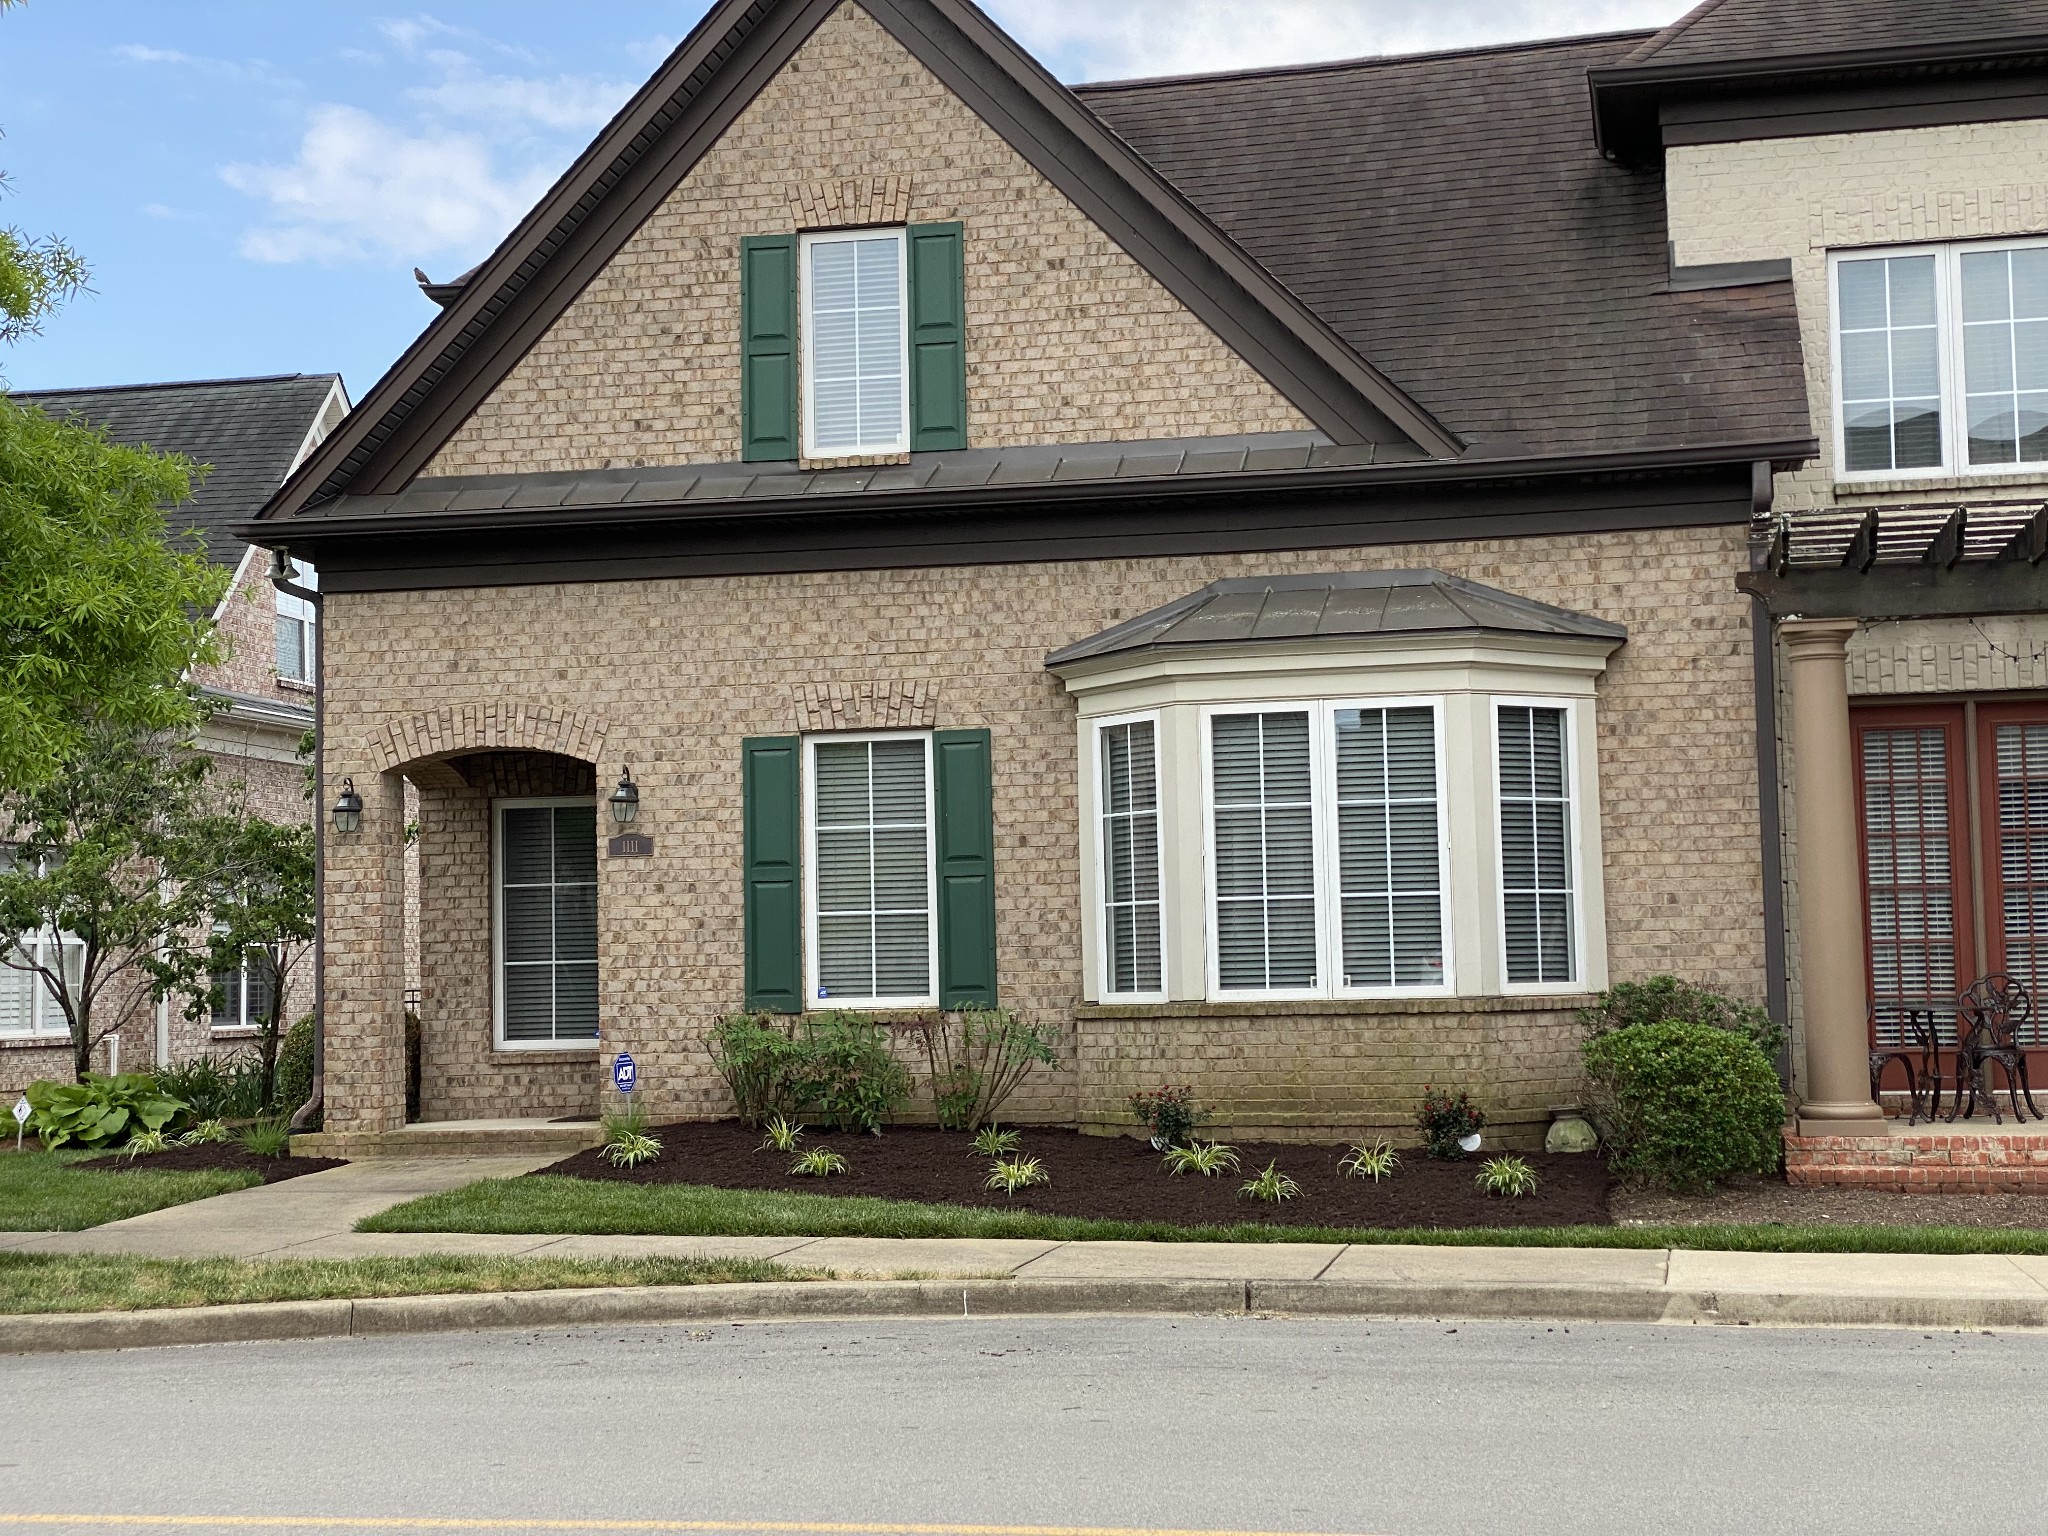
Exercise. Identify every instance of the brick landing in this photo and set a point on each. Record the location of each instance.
(1925, 1158)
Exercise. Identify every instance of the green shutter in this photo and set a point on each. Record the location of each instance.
(938, 339)
(774, 873)
(768, 367)
(967, 885)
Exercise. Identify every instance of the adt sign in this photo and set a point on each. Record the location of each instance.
(625, 1074)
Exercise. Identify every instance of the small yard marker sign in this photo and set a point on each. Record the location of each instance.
(20, 1119)
(625, 1075)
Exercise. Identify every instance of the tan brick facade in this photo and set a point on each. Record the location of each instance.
(1070, 340)
(681, 671)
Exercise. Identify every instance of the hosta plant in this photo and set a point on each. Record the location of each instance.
(1010, 1174)
(781, 1135)
(819, 1163)
(992, 1141)
(1509, 1177)
(207, 1133)
(143, 1143)
(1208, 1158)
(1373, 1160)
(101, 1111)
(1270, 1185)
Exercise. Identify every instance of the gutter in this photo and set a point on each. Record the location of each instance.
(281, 578)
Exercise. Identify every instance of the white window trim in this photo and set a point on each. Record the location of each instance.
(244, 1023)
(45, 1018)
(1574, 845)
(1323, 826)
(498, 1040)
(901, 235)
(1098, 839)
(1948, 312)
(930, 999)
(297, 610)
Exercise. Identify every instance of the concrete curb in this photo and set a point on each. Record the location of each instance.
(796, 1301)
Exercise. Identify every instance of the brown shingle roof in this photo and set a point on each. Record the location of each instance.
(1451, 218)
(1725, 30)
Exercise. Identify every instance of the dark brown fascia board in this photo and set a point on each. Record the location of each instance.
(1303, 358)
(1236, 297)
(1625, 96)
(1948, 100)
(1177, 489)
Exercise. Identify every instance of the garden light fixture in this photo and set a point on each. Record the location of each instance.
(625, 800)
(348, 810)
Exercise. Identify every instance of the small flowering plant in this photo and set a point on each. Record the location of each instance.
(1447, 1121)
(1168, 1113)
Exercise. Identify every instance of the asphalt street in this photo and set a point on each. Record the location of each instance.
(1238, 1424)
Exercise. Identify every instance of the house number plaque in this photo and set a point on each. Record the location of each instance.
(631, 845)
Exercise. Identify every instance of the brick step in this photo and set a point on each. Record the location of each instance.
(1918, 1158)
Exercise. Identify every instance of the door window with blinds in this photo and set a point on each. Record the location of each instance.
(1538, 867)
(547, 922)
(871, 921)
(1327, 853)
(1133, 952)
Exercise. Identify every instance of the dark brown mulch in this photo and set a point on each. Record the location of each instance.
(219, 1154)
(1116, 1178)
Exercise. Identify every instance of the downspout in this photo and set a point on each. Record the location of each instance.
(281, 578)
(1770, 817)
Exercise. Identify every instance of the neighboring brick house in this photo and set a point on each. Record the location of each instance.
(250, 434)
(1242, 569)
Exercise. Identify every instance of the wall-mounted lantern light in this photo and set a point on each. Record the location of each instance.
(625, 800)
(348, 810)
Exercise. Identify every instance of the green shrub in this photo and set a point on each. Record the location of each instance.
(1169, 1114)
(1666, 999)
(756, 1055)
(102, 1111)
(1446, 1120)
(834, 1068)
(978, 1058)
(216, 1087)
(295, 1066)
(1685, 1105)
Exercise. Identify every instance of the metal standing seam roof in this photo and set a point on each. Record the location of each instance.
(1344, 605)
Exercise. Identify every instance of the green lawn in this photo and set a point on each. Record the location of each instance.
(43, 1192)
(551, 1204)
(54, 1282)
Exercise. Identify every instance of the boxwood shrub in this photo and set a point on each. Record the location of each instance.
(1685, 1105)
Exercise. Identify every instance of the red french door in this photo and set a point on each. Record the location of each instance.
(2012, 775)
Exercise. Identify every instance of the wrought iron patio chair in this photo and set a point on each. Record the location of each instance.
(1921, 1059)
(1989, 1020)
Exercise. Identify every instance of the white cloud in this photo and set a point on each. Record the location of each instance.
(566, 101)
(362, 188)
(1095, 40)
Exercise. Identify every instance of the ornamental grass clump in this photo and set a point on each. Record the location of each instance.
(1448, 1120)
(991, 1141)
(1373, 1160)
(1269, 1184)
(1683, 1105)
(207, 1133)
(781, 1135)
(1010, 1174)
(273, 1138)
(1509, 1177)
(627, 1143)
(1208, 1158)
(146, 1143)
(818, 1163)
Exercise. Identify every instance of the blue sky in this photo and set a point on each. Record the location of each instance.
(253, 181)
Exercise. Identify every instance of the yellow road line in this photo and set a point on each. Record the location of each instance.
(459, 1523)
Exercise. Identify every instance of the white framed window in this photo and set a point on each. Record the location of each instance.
(1328, 851)
(1941, 359)
(856, 341)
(1127, 854)
(245, 992)
(870, 914)
(27, 1011)
(298, 628)
(544, 858)
(1537, 822)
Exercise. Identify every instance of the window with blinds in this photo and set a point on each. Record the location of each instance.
(1538, 874)
(856, 379)
(298, 628)
(1909, 875)
(2020, 764)
(547, 914)
(1130, 858)
(1389, 852)
(26, 1007)
(244, 995)
(1261, 796)
(871, 920)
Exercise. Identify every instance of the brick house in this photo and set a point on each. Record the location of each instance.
(1245, 569)
(251, 433)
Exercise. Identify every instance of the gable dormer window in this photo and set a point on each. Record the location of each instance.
(856, 372)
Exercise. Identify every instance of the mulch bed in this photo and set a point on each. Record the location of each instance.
(1118, 1178)
(221, 1154)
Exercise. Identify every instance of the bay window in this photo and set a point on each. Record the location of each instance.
(1539, 888)
(1128, 872)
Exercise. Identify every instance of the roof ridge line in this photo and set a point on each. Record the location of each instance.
(102, 389)
(1665, 36)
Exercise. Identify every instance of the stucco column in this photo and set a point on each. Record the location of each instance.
(365, 915)
(1833, 993)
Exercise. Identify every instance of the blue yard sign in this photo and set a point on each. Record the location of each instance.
(625, 1075)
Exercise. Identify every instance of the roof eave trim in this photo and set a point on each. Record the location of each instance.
(1061, 664)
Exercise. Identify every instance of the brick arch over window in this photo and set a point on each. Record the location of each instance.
(496, 727)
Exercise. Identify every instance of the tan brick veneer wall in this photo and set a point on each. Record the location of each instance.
(682, 670)
(1069, 340)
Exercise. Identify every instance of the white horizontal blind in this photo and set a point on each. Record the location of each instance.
(26, 1007)
(548, 909)
(1537, 874)
(1389, 865)
(873, 914)
(297, 628)
(2021, 752)
(856, 346)
(1265, 850)
(1130, 856)
(1910, 881)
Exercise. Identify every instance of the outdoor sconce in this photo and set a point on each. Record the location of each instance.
(625, 800)
(348, 810)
